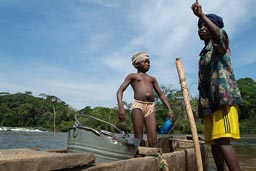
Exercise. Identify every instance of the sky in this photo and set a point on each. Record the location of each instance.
(80, 50)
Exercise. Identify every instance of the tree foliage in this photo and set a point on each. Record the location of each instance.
(247, 113)
(25, 110)
(48, 112)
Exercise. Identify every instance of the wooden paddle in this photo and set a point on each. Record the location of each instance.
(190, 114)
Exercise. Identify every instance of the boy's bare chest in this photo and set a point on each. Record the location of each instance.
(143, 79)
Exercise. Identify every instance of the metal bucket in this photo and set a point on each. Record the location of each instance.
(106, 146)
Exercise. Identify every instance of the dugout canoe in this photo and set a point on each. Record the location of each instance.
(117, 152)
(179, 156)
(89, 149)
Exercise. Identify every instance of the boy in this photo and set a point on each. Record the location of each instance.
(143, 104)
(219, 95)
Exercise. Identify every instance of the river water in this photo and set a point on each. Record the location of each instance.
(246, 153)
(245, 148)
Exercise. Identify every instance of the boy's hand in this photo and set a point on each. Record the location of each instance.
(197, 9)
(170, 113)
(122, 115)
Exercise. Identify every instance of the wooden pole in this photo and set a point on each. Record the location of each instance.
(54, 118)
(190, 114)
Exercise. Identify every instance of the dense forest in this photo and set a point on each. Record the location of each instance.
(48, 112)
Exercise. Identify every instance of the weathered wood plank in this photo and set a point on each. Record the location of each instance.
(148, 151)
(177, 161)
(26, 159)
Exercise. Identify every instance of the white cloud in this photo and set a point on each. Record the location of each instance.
(81, 51)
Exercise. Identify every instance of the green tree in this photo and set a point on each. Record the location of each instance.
(247, 110)
(247, 87)
(23, 113)
(25, 110)
(174, 97)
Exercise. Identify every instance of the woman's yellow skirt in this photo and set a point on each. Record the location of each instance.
(222, 123)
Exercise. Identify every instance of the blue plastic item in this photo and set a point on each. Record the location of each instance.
(166, 127)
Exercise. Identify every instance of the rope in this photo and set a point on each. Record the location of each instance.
(163, 165)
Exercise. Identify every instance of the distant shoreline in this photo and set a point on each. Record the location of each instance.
(20, 129)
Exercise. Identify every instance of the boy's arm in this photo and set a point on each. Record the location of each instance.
(119, 95)
(163, 99)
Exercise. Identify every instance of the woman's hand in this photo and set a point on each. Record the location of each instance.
(197, 9)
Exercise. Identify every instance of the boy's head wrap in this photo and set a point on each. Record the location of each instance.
(215, 19)
(138, 57)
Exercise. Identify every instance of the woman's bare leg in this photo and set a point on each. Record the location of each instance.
(226, 153)
(218, 157)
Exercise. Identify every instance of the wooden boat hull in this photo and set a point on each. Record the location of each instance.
(177, 161)
(181, 159)
(117, 153)
(30, 160)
